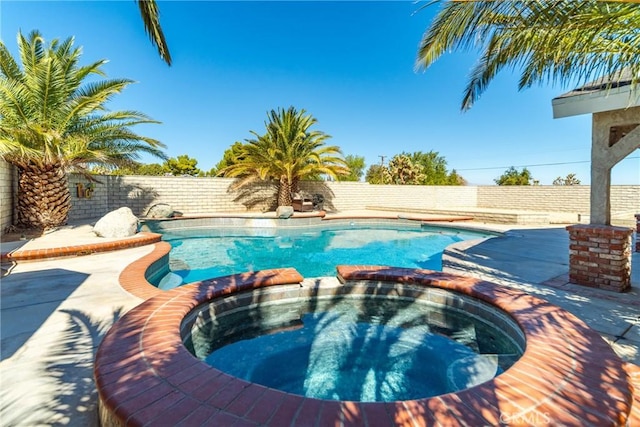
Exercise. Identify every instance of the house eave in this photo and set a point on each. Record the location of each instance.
(595, 102)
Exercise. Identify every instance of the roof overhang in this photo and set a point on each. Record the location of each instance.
(595, 102)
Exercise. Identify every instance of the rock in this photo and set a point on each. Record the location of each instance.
(284, 212)
(160, 210)
(119, 223)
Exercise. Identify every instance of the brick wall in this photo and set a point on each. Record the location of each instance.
(637, 232)
(600, 256)
(6, 194)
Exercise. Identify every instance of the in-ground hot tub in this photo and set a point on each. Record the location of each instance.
(355, 342)
(566, 375)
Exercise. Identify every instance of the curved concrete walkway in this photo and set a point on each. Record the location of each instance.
(55, 312)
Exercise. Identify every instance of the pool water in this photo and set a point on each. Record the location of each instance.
(207, 253)
(357, 348)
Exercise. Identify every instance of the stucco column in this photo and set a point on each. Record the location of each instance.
(615, 135)
(600, 205)
(600, 202)
(638, 232)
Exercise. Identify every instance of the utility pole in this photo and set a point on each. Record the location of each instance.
(381, 168)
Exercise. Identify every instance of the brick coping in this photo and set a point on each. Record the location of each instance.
(567, 375)
(140, 239)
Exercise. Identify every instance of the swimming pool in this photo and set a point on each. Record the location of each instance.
(202, 253)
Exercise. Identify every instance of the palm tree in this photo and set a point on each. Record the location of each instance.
(52, 122)
(550, 40)
(288, 152)
(151, 19)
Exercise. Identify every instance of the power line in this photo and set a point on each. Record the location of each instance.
(539, 164)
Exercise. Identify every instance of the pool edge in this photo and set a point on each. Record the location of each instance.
(170, 382)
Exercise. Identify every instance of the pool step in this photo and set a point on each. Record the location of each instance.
(494, 216)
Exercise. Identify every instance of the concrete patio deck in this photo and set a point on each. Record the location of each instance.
(55, 312)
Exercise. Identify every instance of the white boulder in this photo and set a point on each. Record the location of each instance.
(284, 212)
(119, 223)
(160, 210)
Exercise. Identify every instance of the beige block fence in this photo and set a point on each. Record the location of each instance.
(198, 196)
(6, 194)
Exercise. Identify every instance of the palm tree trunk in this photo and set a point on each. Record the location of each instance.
(44, 200)
(284, 192)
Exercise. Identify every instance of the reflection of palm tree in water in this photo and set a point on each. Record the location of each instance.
(351, 347)
(286, 248)
(306, 251)
(314, 252)
(383, 352)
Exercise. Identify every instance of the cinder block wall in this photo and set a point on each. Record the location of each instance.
(625, 198)
(556, 198)
(185, 194)
(195, 196)
(358, 195)
(6, 194)
(95, 206)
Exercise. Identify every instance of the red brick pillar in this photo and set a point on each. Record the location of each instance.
(600, 256)
(637, 232)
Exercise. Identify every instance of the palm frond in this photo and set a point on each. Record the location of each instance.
(31, 50)
(8, 66)
(51, 116)
(555, 41)
(151, 19)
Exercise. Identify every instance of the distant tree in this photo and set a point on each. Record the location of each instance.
(375, 174)
(231, 156)
(513, 177)
(211, 172)
(153, 169)
(134, 168)
(122, 170)
(404, 171)
(455, 179)
(356, 168)
(569, 180)
(434, 168)
(182, 165)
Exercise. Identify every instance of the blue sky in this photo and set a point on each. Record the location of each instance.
(349, 64)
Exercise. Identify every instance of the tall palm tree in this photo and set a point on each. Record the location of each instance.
(559, 41)
(52, 122)
(288, 152)
(151, 19)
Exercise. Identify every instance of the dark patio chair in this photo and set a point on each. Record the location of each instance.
(301, 202)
